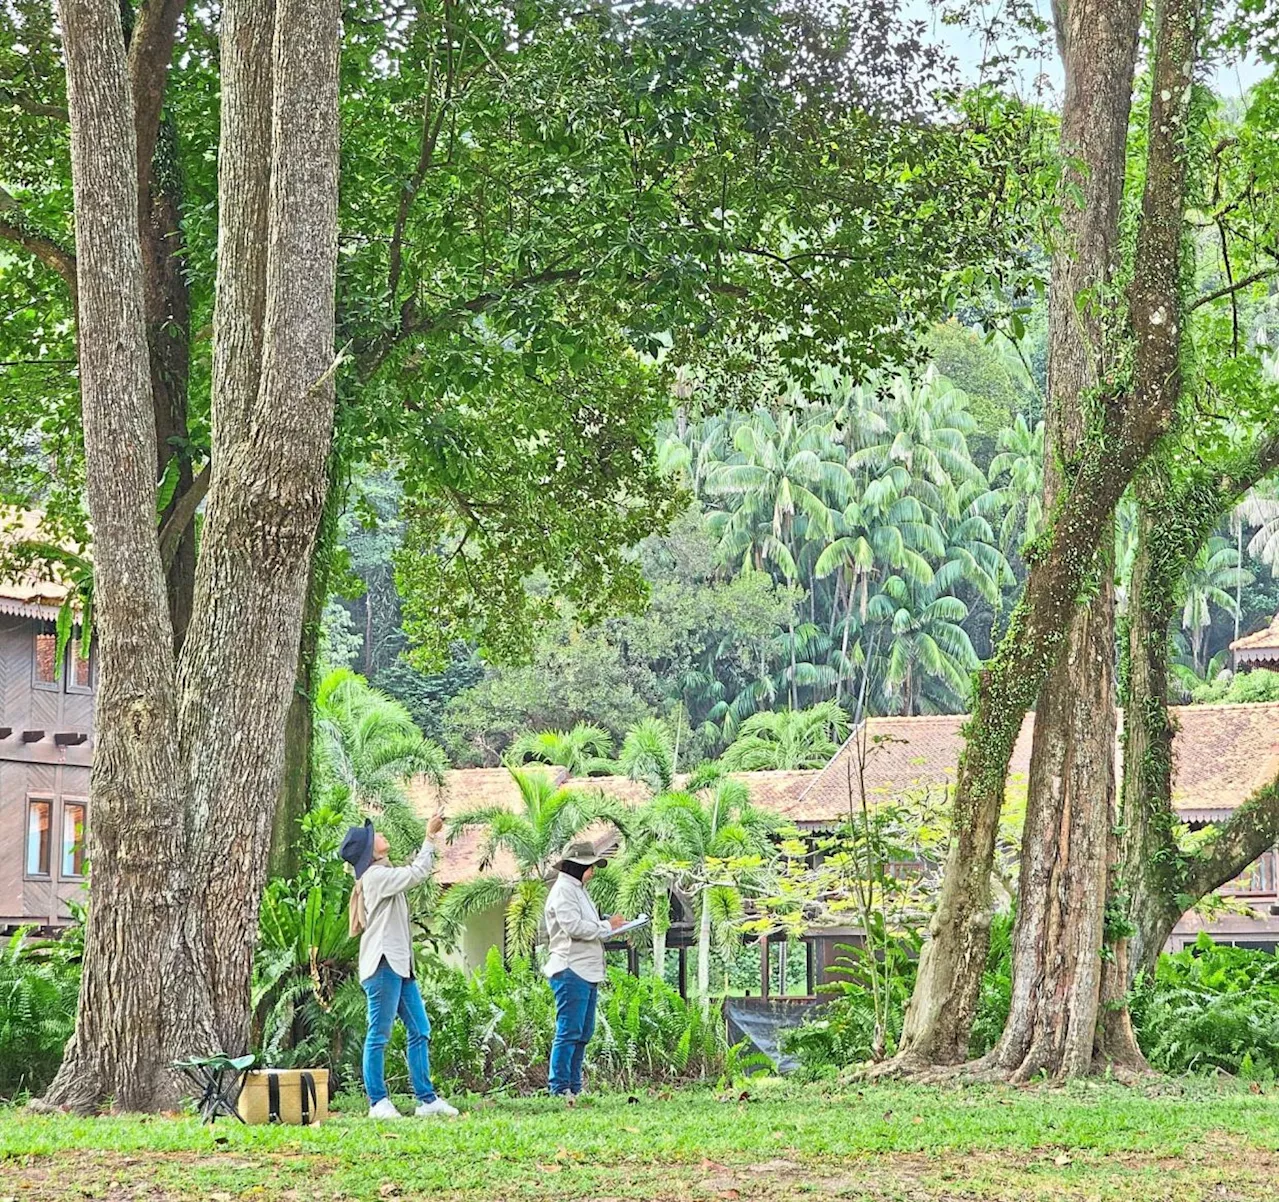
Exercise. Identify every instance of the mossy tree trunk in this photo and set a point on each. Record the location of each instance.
(1152, 882)
(1125, 415)
(1062, 867)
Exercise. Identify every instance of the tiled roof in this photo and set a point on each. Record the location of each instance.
(467, 788)
(27, 593)
(904, 755)
(1222, 753)
(1260, 639)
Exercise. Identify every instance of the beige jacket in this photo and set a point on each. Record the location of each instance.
(386, 931)
(575, 930)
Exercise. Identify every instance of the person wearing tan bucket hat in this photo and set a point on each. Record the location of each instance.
(575, 967)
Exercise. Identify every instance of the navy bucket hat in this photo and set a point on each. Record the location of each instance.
(357, 847)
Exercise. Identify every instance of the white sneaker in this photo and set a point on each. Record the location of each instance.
(385, 1110)
(439, 1107)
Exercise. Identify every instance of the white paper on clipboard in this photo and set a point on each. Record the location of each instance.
(634, 925)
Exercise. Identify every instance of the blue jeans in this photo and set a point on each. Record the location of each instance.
(575, 1024)
(390, 994)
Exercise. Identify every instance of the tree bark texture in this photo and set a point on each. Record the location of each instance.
(189, 751)
(1127, 416)
(142, 1001)
(244, 186)
(236, 673)
(1070, 791)
(1152, 883)
(295, 787)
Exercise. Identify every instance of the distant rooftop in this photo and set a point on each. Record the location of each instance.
(28, 594)
(1267, 639)
(1222, 754)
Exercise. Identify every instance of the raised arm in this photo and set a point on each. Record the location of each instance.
(383, 882)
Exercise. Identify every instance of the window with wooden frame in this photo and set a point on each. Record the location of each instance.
(79, 668)
(75, 812)
(39, 846)
(44, 666)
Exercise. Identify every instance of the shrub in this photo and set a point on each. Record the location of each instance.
(844, 1032)
(645, 1031)
(1257, 685)
(1210, 1006)
(39, 983)
(490, 1031)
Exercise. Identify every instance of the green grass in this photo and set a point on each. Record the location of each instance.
(783, 1140)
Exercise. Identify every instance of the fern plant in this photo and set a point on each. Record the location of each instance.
(39, 983)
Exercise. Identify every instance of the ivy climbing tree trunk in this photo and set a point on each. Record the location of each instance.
(1152, 881)
(189, 756)
(1062, 867)
(1127, 416)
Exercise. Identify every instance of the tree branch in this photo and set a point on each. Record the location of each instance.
(155, 30)
(1248, 833)
(1243, 282)
(372, 355)
(180, 515)
(34, 107)
(15, 228)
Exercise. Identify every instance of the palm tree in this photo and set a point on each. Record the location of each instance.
(1214, 571)
(788, 739)
(648, 754)
(780, 481)
(921, 427)
(1261, 508)
(582, 751)
(881, 529)
(925, 646)
(366, 748)
(1020, 463)
(550, 817)
(709, 847)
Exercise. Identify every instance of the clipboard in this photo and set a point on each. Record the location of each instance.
(634, 925)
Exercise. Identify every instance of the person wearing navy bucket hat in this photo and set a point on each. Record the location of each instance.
(379, 914)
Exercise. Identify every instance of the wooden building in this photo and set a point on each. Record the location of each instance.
(1222, 754)
(46, 747)
(1261, 649)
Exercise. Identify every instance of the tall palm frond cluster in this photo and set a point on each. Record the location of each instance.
(870, 502)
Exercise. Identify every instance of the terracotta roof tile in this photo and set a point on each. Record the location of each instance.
(29, 590)
(1260, 639)
(1222, 753)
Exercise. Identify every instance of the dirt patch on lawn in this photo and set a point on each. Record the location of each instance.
(1221, 1171)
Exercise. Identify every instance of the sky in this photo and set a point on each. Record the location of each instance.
(1043, 75)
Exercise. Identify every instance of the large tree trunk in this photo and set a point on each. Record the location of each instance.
(1125, 424)
(189, 753)
(1152, 883)
(1062, 873)
(142, 999)
(295, 787)
(237, 668)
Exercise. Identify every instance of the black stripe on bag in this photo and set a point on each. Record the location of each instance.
(307, 1085)
(273, 1098)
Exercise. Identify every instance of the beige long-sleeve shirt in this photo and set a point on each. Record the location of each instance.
(575, 930)
(386, 933)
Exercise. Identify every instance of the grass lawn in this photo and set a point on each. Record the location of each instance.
(781, 1140)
